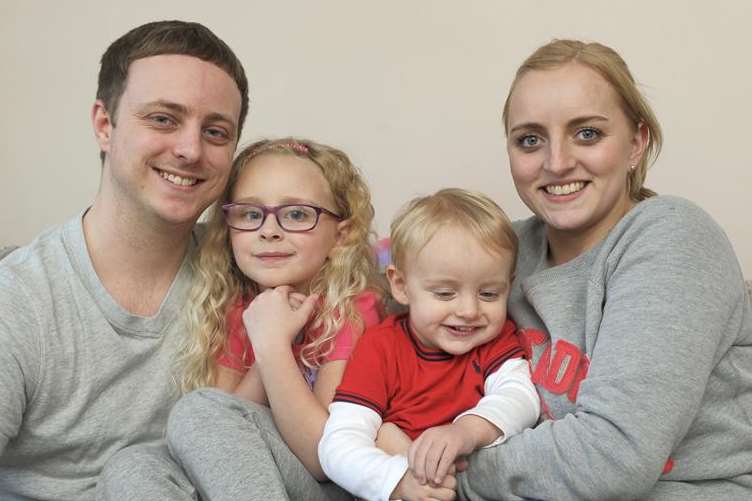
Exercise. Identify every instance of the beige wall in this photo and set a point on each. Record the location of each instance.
(410, 89)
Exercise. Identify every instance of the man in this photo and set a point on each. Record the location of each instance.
(89, 311)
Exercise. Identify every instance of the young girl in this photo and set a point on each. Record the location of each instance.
(286, 283)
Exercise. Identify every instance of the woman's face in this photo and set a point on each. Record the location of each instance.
(570, 148)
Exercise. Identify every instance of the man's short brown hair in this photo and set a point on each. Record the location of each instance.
(166, 37)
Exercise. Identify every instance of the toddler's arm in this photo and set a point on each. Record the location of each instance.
(349, 456)
(510, 405)
(392, 440)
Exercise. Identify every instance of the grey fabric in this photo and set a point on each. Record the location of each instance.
(231, 450)
(80, 377)
(143, 472)
(4, 251)
(657, 320)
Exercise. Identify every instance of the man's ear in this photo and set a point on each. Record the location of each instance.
(102, 123)
(397, 284)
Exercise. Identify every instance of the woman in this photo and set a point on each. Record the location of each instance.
(632, 305)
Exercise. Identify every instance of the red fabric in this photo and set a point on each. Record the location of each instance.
(417, 388)
(238, 354)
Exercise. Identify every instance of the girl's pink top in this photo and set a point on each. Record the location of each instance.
(238, 354)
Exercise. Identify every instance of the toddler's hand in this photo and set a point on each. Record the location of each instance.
(433, 454)
(276, 316)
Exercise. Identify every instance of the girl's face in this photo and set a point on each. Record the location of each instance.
(570, 149)
(270, 256)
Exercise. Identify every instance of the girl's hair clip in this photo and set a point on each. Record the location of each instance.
(294, 146)
(300, 148)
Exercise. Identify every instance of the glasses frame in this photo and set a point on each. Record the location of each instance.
(274, 209)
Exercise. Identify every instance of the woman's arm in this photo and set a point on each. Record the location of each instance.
(668, 295)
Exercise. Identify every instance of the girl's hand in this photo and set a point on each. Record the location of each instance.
(275, 317)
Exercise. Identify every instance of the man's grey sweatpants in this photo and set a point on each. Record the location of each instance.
(224, 448)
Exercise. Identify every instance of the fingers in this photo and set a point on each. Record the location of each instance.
(447, 491)
(409, 488)
(295, 299)
(446, 462)
(461, 464)
(416, 460)
(425, 456)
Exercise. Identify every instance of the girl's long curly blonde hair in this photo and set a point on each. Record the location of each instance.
(350, 269)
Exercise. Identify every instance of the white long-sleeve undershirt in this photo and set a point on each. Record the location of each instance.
(348, 452)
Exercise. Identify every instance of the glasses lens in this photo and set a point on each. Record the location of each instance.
(246, 217)
(297, 217)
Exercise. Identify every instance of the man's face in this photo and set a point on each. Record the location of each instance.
(170, 147)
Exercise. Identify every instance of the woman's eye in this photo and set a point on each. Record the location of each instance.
(528, 141)
(588, 134)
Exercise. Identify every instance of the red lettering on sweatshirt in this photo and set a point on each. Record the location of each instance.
(560, 368)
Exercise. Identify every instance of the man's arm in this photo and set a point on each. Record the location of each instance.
(20, 355)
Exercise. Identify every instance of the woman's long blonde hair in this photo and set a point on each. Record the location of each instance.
(219, 283)
(610, 65)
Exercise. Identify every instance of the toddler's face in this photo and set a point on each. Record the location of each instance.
(456, 290)
(271, 256)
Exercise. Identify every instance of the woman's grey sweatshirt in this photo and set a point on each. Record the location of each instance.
(641, 350)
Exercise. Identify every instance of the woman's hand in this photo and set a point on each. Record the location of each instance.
(409, 488)
(275, 317)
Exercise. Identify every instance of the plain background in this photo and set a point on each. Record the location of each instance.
(411, 90)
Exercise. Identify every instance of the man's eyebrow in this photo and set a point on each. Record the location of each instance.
(161, 103)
